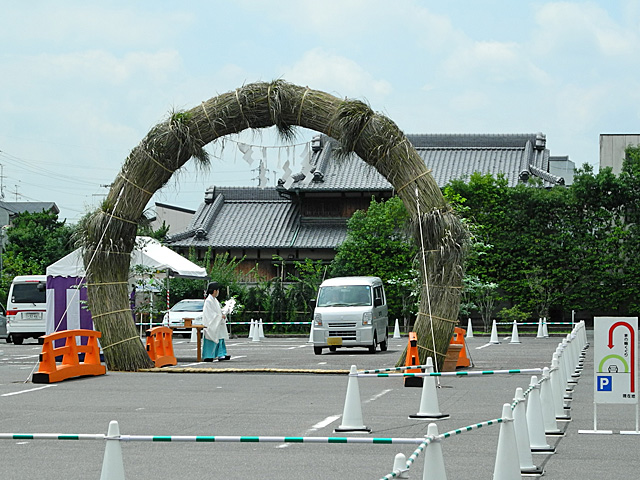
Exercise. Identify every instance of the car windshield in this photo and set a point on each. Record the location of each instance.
(29, 293)
(191, 306)
(345, 296)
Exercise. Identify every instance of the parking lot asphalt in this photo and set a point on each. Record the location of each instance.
(275, 388)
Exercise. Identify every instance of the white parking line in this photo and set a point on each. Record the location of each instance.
(25, 391)
(483, 346)
(377, 396)
(321, 424)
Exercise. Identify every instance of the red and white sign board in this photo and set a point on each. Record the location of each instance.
(615, 360)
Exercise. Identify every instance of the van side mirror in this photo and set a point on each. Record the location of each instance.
(312, 303)
(377, 302)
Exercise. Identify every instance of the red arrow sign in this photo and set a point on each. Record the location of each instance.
(632, 346)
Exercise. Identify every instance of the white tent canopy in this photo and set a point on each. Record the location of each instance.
(147, 252)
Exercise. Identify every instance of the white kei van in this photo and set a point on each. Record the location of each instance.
(26, 308)
(350, 312)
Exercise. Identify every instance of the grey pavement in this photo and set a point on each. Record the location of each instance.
(247, 402)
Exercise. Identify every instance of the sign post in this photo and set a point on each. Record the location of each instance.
(615, 365)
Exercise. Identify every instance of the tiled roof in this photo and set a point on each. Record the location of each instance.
(450, 157)
(251, 217)
(29, 207)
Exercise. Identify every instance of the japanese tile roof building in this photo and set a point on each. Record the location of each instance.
(306, 217)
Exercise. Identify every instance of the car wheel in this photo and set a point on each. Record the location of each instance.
(8, 339)
(383, 344)
(17, 340)
(374, 345)
(317, 350)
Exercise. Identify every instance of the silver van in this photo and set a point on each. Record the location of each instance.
(350, 312)
(26, 308)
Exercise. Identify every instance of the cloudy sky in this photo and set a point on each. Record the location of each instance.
(81, 82)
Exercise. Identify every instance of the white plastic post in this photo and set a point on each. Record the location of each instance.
(400, 466)
(494, 334)
(396, 330)
(507, 466)
(433, 460)
(352, 413)
(429, 408)
(514, 333)
(112, 464)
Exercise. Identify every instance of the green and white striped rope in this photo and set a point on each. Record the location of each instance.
(449, 374)
(211, 438)
(395, 369)
(442, 436)
(52, 436)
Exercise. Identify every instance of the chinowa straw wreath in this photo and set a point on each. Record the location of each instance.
(108, 234)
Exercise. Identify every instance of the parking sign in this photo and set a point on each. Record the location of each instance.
(615, 359)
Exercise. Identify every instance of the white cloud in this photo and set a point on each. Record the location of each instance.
(583, 25)
(496, 62)
(342, 76)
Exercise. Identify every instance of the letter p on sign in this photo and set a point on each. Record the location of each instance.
(604, 383)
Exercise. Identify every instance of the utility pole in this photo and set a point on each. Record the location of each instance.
(1, 181)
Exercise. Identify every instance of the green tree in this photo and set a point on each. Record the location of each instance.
(32, 243)
(377, 245)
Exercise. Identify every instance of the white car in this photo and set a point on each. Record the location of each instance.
(187, 308)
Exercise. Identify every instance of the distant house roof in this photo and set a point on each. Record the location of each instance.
(450, 157)
(14, 208)
(253, 218)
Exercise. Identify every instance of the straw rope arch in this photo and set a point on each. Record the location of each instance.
(109, 233)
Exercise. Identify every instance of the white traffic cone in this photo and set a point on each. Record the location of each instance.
(429, 408)
(546, 402)
(560, 408)
(494, 333)
(433, 461)
(507, 466)
(261, 330)
(540, 332)
(251, 327)
(194, 336)
(535, 423)
(352, 413)
(310, 333)
(400, 466)
(469, 329)
(522, 434)
(545, 331)
(255, 336)
(112, 464)
(396, 330)
(514, 333)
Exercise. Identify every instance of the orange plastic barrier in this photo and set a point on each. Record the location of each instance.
(160, 346)
(71, 366)
(458, 338)
(412, 358)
